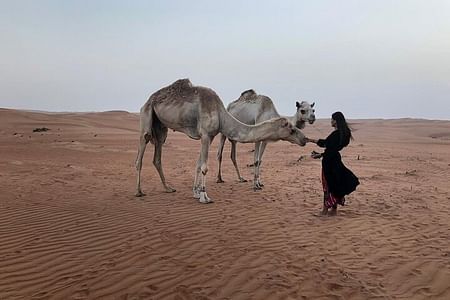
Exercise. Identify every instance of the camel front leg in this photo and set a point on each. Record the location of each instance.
(233, 159)
(158, 165)
(206, 141)
(258, 162)
(219, 157)
(141, 150)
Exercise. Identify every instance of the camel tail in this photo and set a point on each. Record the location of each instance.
(146, 132)
(147, 118)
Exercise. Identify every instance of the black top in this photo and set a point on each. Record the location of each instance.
(341, 181)
(332, 143)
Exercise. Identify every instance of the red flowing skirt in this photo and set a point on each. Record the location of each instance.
(330, 200)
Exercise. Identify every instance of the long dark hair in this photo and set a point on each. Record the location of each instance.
(344, 129)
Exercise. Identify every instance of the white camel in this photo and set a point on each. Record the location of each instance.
(251, 108)
(200, 114)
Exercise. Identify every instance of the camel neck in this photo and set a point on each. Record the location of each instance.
(240, 132)
(292, 119)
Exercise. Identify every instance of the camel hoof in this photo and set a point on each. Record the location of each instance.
(242, 179)
(204, 198)
(220, 180)
(139, 194)
(257, 188)
(205, 201)
(170, 190)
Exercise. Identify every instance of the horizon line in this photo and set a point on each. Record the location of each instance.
(131, 112)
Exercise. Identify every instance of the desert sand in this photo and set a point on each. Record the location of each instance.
(71, 228)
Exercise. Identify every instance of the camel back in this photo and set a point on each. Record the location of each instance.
(251, 97)
(180, 90)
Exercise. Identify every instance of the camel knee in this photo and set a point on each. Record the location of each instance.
(145, 138)
(204, 169)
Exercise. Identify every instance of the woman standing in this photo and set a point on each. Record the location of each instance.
(337, 179)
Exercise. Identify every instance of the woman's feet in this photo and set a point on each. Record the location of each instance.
(333, 211)
(326, 212)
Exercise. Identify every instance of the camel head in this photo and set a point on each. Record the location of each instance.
(305, 113)
(288, 132)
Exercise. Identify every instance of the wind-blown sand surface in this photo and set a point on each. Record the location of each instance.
(71, 228)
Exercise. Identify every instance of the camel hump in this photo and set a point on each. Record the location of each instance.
(177, 91)
(184, 83)
(248, 93)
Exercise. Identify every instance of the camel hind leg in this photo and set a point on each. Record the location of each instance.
(197, 184)
(151, 130)
(144, 138)
(159, 139)
(143, 141)
(258, 161)
(219, 157)
(233, 159)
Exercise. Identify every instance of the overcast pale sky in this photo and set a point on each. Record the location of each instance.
(369, 59)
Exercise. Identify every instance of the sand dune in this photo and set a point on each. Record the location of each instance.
(71, 228)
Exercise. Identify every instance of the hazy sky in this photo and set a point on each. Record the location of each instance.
(369, 59)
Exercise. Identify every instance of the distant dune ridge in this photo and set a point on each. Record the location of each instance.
(71, 228)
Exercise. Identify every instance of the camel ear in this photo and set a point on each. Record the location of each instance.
(312, 105)
(285, 123)
(297, 104)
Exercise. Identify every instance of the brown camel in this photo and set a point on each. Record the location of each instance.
(200, 114)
